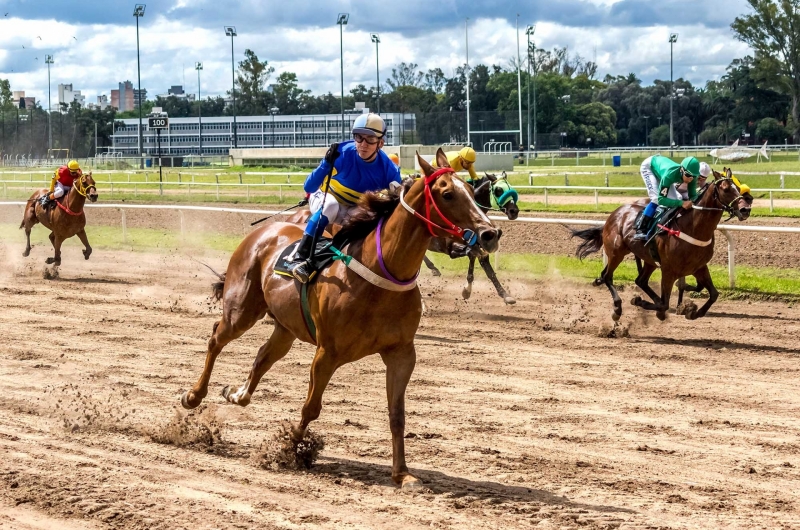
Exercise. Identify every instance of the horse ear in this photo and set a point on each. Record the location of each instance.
(729, 173)
(441, 158)
(491, 178)
(426, 168)
(716, 173)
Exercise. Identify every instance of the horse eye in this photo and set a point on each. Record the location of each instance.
(447, 195)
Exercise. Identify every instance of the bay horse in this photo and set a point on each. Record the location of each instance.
(64, 219)
(353, 318)
(486, 188)
(684, 250)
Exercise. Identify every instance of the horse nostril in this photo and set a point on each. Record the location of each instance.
(489, 235)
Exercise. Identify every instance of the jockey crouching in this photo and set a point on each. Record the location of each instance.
(356, 167)
(463, 160)
(62, 182)
(662, 177)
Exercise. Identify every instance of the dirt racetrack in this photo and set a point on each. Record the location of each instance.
(528, 416)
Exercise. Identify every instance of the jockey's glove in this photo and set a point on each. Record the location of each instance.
(332, 154)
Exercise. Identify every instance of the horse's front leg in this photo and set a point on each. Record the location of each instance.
(431, 266)
(703, 277)
(322, 368)
(486, 265)
(56, 241)
(466, 292)
(399, 367)
(87, 250)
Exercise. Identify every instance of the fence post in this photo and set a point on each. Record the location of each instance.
(596, 200)
(112, 188)
(280, 193)
(771, 205)
(146, 177)
(216, 176)
(606, 179)
(124, 227)
(731, 259)
(783, 181)
(566, 179)
(183, 224)
(530, 179)
(179, 177)
(552, 160)
(240, 178)
(545, 197)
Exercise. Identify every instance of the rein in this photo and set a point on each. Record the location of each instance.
(725, 208)
(80, 189)
(469, 237)
(498, 203)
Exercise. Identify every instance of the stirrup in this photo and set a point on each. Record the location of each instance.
(640, 236)
(301, 273)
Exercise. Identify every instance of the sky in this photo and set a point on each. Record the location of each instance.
(94, 41)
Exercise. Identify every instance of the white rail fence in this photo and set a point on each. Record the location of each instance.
(727, 231)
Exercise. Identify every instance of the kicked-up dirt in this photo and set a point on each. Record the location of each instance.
(538, 415)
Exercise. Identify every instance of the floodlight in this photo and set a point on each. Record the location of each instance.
(138, 10)
(230, 31)
(375, 38)
(530, 30)
(673, 37)
(343, 18)
(198, 66)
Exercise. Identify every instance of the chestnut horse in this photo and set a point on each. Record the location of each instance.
(353, 318)
(64, 219)
(684, 252)
(485, 188)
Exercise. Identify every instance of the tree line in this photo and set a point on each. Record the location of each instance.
(758, 99)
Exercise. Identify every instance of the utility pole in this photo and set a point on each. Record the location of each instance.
(342, 21)
(138, 12)
(199, 66)
(519, 84)
(466, 40)
(673, 38)
(377, 40)
(48, 59)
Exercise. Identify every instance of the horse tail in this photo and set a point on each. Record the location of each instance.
(592, 240)
(216, 287)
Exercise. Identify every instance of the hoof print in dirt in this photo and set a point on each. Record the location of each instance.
(282, 452)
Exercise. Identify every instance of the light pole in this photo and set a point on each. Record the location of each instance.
(342, 21)
(645, 129)
(273, 111)
(466, 42)
(377, 40)
(529, 31)
(230, 31)
(138, 12)
(673, 38)
(519, 84)
(199, 66)
(48, 59)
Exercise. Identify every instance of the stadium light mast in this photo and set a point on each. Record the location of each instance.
(377, 40)
(48, 59)
(466, 42)
(519, 84)
(230, 31)
(342, 21)
(529, 31)
(138, 12)
(645, 129)
(199, 66)
(673, 38)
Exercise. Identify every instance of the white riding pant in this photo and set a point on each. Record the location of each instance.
(60, 190)
(332, 209)
(653, 186)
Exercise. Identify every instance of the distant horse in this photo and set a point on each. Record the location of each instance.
(348, 316)
(64, 219)
(683, 250)
(491, 193)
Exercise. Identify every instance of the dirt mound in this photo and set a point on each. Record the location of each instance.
(281, 452)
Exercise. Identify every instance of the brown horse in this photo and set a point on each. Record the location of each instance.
(64, 219)
(679, 255)
(353, 318)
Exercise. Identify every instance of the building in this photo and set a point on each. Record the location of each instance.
(126, 97)
(102, 103)
(20, 101)
(178, 92)
(66, 95)
(182, 137)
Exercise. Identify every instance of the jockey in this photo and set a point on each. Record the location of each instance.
(705, 171)
(63, 179)
(463, 160)
(662, 177)
(357, 166)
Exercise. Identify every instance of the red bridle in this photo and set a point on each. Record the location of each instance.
(450, 228)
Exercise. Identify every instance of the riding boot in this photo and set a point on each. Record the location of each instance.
(303, 271)
(642, 227)
(46, 200)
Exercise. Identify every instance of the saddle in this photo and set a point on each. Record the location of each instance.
(323, 256)
(663, 217)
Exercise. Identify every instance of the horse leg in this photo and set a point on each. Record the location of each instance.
(243, 306)
(486, 265)
(271, 352)
(28, 245)
(87, 251)
(466, 292)
(56, 241)
(322, 368)
(703, 277)
(431, 266)
(667, 283)
(643, 282)
(399, 366)
(28, 221)
(607, 277)
(681, 288)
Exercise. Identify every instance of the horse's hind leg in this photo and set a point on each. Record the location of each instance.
(466, 292)
(242, 308)
(431, 266)
(486, 265)
(607, 277)
(271, 352)
(56, 242)
(28, 221)
(87, 250)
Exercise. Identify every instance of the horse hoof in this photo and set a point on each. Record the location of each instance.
(87, 253)
(662, 315)
(411, 483)
(509, 300)
(435, 273)
(188, 403)
(226, 392)
(636, 300)
(615, 316)
(597, 282)
(466, 293)
(50, 261)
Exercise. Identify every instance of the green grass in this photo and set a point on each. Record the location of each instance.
(750, 281)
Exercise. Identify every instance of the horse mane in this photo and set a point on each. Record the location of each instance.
(371, 208)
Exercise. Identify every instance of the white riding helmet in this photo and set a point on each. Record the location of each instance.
(705, 169)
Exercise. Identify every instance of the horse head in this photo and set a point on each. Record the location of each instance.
(88, 187)
(500, 195)
(727, 194)
(454, 204)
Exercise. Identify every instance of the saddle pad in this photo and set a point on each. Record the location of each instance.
(323, 256)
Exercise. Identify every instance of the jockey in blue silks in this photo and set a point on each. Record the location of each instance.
(357, 166)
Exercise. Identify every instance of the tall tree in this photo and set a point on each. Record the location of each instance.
(251, 77)
(773, 31)
(406, 74)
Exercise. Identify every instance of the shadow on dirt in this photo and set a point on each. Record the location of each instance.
(439, 483)
(113, 281)
(716, 344)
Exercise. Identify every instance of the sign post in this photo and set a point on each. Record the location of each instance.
(158, 123)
